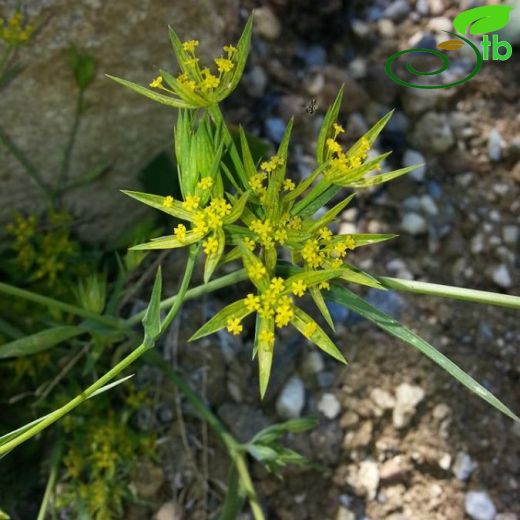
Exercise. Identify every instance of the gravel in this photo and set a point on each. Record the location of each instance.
(291, 400)
(479, 506)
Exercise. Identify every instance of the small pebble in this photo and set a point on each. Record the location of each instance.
(414, 224)
(329, 406)
(266, 23)
(411, 158)
(495, 145)
(501, 276)
(291, 399)
(479, 506)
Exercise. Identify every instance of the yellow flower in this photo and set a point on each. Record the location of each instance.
(338, 129)
(310, 328)
(157, 82)
(350, 243)
(230, 49)
(190, 45)
(325, 233)
(333, 146)
(298, 288)
(249, 243)
(324, 285)
(295, 223)
(280, 235)
(266, 336)
(210, 81)
(191, 202)
(277, 285)
(210, 245)
(234, 326)
(168, 201)
(252, 302)
(256, 182)
(180, 232)
(185, 80)
(224, 64)
(336, 263)
(288, 185)
(256, 271)
(284, 315)
(205, 183)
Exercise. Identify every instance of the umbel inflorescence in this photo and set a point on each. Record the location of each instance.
(254, 212)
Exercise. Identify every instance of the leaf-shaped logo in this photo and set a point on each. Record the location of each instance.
(481, 20)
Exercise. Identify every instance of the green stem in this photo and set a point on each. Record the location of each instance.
(245, 479)
(62, 306)
(103, 380)
(179, 299)
(447, 291)
(67, 408)
(29, 167)
(214, 285)
(65, 165)
(4, 60)
(51, 482)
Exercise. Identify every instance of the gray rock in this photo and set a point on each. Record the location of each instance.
(479, 506)
(433, 132)
(510, 234)
(360, 28)
(244, 421)
(506, 516)
(169, 511)
(412, 157)
(255, 81)
(274, 129)
(414, 224)
(329, 406)
(312, 362)
(428, 205)
(422, 7)
(266, 23)
(383, 399)
(495, 145)
(436, 7)
(344, 514)
(134, 44)
(312, 55)
(388, 302)
(386, 28)
(407, 399)
(364, 479)
(397, 10)
(358, 68)
(501, 276)
(463, 466)
(291, 400)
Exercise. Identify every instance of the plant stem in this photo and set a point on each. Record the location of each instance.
(447, 291)
(4, 60)
(214, 285)
(179, 299)
(51, 482)
(245, 480)
(109, 321)
(29, 167)
(107, 377)
(65, 165)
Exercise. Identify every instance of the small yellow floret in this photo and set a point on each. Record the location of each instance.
(234, 326)
(252, 302)
(310, 328)
(210, 245)
(338, 129)
(298, 288)
(205, 183)
(324, 285)
(266, 336)
(230, 49)
(191, 202)
(157, 82)
(168, 201)
(249, 243)
(288, 185)
(224, 64)
(180, 232)
(190, 45)
(325, 233)
(333, 146)
(256, 271)
(277, 285)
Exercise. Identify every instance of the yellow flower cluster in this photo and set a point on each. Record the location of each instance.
(324, 252)
(310, 328)
(234, 326)
(269, 234)
(271, 164)
(205, 183)
(168, 201)
(196, 79)
(340, 160)
(211, 217)
(13, 32)
(210, 245)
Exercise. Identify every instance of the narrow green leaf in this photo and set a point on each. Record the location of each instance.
(322, 193)
(330, 118)
(155, 96)
(356, 275)
(383, 177)
(40, 341)
(322, 306)
(349, 177)
(250, 260)
(213, 259)
(157, 202)
(236, 309)
(249, 163)
(169, 242)
(332, 213)
(238, 209)
(311, 278)
(152, 317)
(318, 337)
(365, 239)
(187, 95)
(264, 345)
(355, 303)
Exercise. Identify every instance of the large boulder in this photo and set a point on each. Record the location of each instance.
(127, 39)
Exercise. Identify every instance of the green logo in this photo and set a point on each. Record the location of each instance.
(477, 21)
